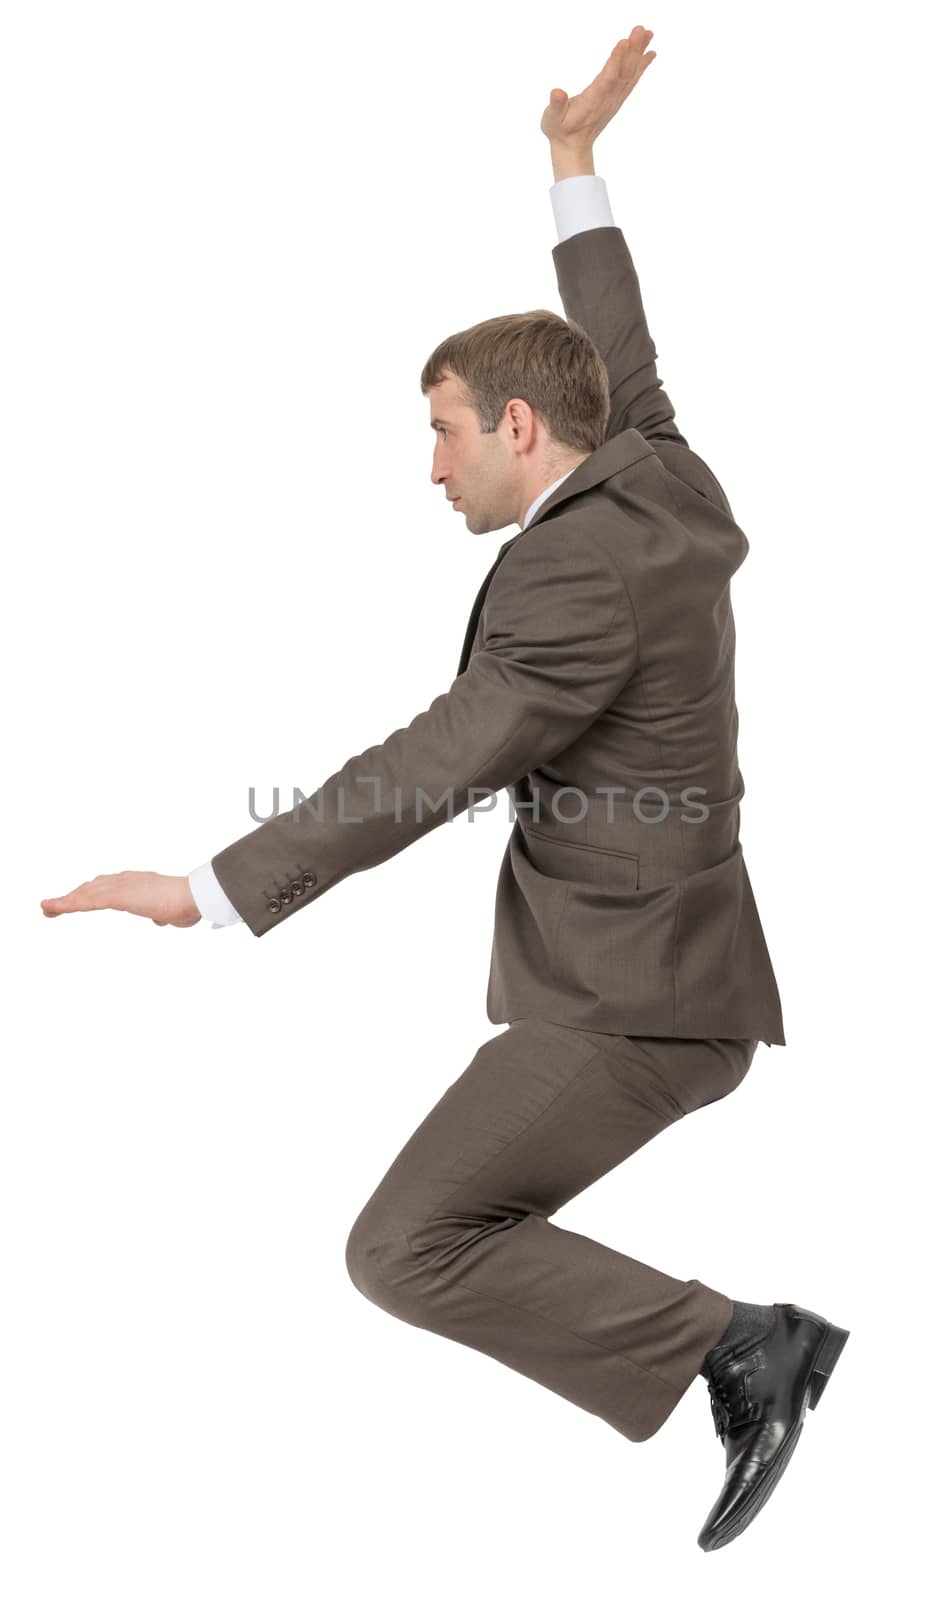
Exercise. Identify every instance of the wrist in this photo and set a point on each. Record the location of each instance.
(571, 161)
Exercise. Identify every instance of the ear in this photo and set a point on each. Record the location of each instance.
(523, 421)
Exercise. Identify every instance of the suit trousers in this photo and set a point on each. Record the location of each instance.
(457, 1236)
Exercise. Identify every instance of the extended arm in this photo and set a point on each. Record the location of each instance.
(560, 642)
(600, 290)
(597, 280)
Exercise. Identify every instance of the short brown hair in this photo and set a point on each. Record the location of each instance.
(536, 356)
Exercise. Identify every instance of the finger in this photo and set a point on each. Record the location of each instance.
(98, 894)
(631, 65)
(75, 900)
(630, 51)
(624, 60)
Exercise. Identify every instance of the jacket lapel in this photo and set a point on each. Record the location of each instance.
(623, 450)
(477, 607)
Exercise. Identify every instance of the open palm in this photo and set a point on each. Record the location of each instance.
(167, 900)
(578, 119)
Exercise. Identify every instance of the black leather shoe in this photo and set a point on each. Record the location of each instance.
(759, 1393)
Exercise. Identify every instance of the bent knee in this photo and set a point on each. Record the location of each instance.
(379, 1266)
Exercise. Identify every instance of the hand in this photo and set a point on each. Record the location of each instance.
(576, 121)
(168, 901)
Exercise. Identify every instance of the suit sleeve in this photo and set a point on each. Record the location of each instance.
(560, 641)
(599, 289)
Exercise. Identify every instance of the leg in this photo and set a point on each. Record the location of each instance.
(456, 1236)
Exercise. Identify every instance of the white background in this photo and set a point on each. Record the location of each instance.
(233, 233)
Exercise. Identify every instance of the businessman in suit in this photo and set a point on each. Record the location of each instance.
(596, 686)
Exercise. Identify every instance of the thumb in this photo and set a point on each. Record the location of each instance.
(558, 99)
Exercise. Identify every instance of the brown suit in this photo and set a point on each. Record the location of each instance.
(628, 957)
(599, 656)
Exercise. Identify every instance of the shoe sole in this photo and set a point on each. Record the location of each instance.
(823, 1365)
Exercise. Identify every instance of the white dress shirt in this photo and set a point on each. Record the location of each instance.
(578, 203)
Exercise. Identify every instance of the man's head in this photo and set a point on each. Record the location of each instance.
(516, 402)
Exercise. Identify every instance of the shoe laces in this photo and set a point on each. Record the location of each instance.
(719, 1402)
(729, 1402)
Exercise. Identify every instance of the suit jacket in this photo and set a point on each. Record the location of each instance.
(596, 685)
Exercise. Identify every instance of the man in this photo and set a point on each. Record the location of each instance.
(628, 958)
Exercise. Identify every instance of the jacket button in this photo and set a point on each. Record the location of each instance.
(273, 905)
(286, 896)
(308, 880)
(297, 886)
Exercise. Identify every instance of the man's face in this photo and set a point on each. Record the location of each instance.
(479, 471)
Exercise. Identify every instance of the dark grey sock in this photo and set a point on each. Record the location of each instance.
(749, 1323)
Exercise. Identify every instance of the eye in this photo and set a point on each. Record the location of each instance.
(443, 430)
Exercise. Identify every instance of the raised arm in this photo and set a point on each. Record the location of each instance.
(596, 277)
(599, 289)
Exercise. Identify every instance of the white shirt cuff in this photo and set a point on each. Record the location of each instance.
(210, 898)
(580, 203)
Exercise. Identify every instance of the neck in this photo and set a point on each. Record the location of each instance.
(554, 474)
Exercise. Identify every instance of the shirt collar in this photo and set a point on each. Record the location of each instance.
(543, 496)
